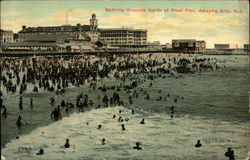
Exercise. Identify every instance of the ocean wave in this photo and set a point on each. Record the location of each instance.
(160, 137)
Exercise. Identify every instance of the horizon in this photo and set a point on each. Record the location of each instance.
(224, 27)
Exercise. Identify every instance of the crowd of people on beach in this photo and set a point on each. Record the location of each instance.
(130, 72)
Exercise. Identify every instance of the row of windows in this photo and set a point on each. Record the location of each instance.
(121, 43)
(117, 38)
(123, 33)
(108, 35)
(93, 33)
(118, 34)
(111, 36)
(200, 45)
(47, 33)
(136, 40)
(52, 29)
(6, 35)
(126, 43)
(7, 40)
(109, 32)
(44, 33)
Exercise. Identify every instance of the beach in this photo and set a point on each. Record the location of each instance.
(210, 105)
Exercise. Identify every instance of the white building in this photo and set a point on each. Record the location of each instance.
(124, 37)
(6, 36)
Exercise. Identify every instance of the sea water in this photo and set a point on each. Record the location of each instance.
(160, 137)
(214, 110)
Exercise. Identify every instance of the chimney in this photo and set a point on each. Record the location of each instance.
(24, 27)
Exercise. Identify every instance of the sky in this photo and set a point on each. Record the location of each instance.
(230, 24)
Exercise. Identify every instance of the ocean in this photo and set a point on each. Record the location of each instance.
(214, 109)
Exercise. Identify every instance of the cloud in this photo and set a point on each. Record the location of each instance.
(131, 19)
(199, 26)
(74, 15)
(183, 23)
(15, 24)
(15, 20)
(10, 14)
(199, 22)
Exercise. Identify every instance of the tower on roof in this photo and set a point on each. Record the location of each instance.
(93, 22)
(93, 16)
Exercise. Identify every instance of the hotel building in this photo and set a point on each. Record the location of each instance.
(117, 37)
(60, 33)
(78, 37)
(124, 37)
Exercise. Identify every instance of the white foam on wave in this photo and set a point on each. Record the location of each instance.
(3, 158)
(248, 156)
(161, 138)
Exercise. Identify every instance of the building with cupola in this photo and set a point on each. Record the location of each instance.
(80, 37)
(119, 37)
(60, 34)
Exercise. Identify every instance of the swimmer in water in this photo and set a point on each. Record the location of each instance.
(172, 110)
(198, 144)
(142, 121)
(66, 145)
(175, 100)
(41, 151)
(21, 105)
(133, 111)
(120, 119)
(123, 127)
(52, 100)
(31, 102)
(99, 106)
(230, 154)
(103, 141)
(99, 126)
(19, 121)
(56, 114)
(172, 116)
(137, 146)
